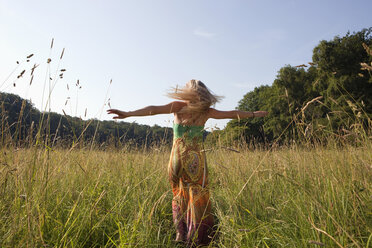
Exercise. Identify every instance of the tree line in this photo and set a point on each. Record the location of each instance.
(22, 124)
(329, 97)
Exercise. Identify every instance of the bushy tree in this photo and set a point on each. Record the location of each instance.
(332, 93)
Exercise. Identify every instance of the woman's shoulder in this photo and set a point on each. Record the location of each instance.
(175, 106)
(178, 105)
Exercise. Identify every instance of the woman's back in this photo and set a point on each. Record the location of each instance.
(188, 120)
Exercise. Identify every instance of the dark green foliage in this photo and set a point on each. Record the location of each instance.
(22, 122)
(342, 90)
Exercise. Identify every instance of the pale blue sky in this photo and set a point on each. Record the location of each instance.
(148, 46)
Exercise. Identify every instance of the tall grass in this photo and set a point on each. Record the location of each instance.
(294, 198)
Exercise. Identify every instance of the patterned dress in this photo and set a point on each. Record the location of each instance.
(189, 179)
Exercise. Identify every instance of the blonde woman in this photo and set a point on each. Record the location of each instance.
(187, 168)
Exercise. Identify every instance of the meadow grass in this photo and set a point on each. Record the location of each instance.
(289, 197)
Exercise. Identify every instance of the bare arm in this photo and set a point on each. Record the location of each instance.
(172, 107)
(234, 114)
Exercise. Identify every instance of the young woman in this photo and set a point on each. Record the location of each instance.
(187, 166)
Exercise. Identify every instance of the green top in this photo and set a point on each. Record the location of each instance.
(180, 130)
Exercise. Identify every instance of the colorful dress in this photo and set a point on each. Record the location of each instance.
(188, 175)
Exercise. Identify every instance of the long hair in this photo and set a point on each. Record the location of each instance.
(198, 97)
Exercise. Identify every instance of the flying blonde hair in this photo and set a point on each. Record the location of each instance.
(198, 97)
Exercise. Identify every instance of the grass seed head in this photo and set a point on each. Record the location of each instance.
(365, 66)
(21, 74)
(33, 69)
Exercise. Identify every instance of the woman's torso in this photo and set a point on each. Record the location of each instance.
(188, 157)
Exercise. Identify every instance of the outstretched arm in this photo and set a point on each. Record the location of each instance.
(172, 107)
(234, 114)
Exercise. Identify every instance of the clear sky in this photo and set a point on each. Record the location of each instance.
(148, 46)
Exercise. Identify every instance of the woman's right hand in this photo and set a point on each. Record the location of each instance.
(119, 114)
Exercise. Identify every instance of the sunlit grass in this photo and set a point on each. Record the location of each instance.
(117, 198)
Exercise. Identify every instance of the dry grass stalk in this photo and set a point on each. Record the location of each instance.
(313, 242)
(221, 166)
(311, 101)
(365, 66)
(368, 50)
(224, 147)
(63, 51)
(316, 99)
(33, 69)
(230, 149)
(303, 65)
(328, 235)
(333, 100)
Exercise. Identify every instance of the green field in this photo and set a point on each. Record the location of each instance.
(290, 197)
